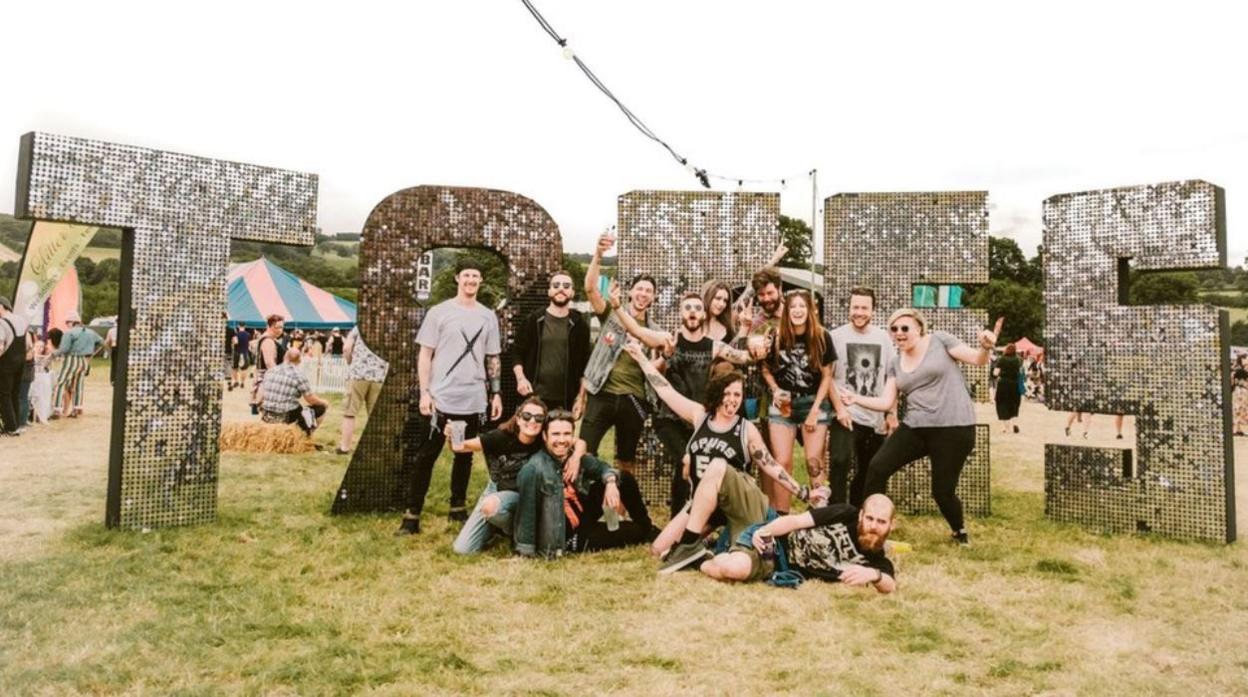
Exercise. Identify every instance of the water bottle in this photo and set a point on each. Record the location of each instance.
(612, 518)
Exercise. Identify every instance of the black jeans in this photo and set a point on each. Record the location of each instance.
(946, 446)
(845, 446)
(422, 452)
(625, 412)
(10, 393)
(593, 535)
(675, 437)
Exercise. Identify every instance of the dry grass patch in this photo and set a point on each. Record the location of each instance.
(278, 597)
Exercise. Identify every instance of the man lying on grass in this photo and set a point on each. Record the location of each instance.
(836, 543)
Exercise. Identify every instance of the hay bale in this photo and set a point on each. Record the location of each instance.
(259, 437)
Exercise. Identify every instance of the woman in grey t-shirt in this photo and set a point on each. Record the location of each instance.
(940, 418)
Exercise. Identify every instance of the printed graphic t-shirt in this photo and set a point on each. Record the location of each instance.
(505, 455)
(832, 544)
(791, 369)
(461, 337)
(863, 368)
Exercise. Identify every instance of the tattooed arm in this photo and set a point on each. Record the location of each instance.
(684, 407)
(494, 373)
(730, 354)
(767, 464)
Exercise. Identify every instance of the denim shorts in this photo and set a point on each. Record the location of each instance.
(800, 410)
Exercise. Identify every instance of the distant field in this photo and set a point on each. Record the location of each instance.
(7, 254)
(98, 254)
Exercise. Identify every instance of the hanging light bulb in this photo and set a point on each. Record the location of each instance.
(568, 53)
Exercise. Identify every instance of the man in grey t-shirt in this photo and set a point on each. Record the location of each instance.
(460, 372)
(866, 351)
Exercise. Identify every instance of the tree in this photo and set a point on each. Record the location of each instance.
(86, 270)
(1006, 262)
(577, 269)
(1163, 288)
(1239, 333)
(1022, 306)
(797, 236)
(493, 289)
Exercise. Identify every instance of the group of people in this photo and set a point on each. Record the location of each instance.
(1239, 394)
(28, 392)
(730, 394)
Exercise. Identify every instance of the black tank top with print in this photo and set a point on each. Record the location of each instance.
(708, 444)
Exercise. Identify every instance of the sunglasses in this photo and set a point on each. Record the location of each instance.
(560, 284)
(903, 328)
(530, 416)
(691, 307)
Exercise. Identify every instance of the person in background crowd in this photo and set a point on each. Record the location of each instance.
(242, 359)
(337, 346)
(110, 348)
(1239, 395)
(940, 417)
(284, 385)
(866, 353)
(460, 374)
(28, 379)
(552, 347)
(270, 352)
(13, 330)
(1008, 372)
(41, 388)
(1086, 418)
(366, 372)
(78, 346)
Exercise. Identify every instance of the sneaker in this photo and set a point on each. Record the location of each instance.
(409, 526)
(962, 538)
(1016, 429)
(340, 451)
(684, 555)
(458, 514)
(1119, 436)
(1068, 431)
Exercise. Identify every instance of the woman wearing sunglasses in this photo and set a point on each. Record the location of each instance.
(939, 420)
(506, 449)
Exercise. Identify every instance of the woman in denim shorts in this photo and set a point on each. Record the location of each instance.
(799, 374)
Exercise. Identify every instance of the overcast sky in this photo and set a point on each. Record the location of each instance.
(1025, 100)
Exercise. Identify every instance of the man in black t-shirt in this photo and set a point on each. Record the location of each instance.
(837, 543)
(552, 347)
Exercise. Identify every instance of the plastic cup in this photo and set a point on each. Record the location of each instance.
(458, 429)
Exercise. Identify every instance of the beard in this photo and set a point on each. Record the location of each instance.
(869, 541)
(692, 324)
(769, 307)
(560, 300)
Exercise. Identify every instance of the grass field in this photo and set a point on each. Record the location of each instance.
(98, 254)
(278, 597)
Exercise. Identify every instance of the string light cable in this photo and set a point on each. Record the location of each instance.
(703, 176)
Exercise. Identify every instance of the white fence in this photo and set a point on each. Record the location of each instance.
(327, 373)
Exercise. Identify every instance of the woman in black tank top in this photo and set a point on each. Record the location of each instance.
(721, 433)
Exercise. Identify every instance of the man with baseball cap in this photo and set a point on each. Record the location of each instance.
(12, 360)
(78, 345)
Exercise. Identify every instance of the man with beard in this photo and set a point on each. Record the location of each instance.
(552, 347)
(459, 365)
(858, 432)
(761, 325)
(837, 543)
(613, 391)
(688, 369)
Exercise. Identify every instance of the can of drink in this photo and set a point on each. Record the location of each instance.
(458, 429)
(769, 548)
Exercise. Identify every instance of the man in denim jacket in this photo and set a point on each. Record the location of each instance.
(553, 516)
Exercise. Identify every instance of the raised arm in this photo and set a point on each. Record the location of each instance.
(980, 356)
(730, 354)
(592, 273)
(886, 402)
(748, 293)
(682, 406)
(767, 464)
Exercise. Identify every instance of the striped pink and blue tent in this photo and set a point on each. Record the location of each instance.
(257, 289)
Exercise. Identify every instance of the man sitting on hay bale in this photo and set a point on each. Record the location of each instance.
(281, 390)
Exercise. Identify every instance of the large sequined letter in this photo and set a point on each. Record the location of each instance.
(683, 239)
(1166, 365)
(179, 214)
(890, 242)
(397, 233)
